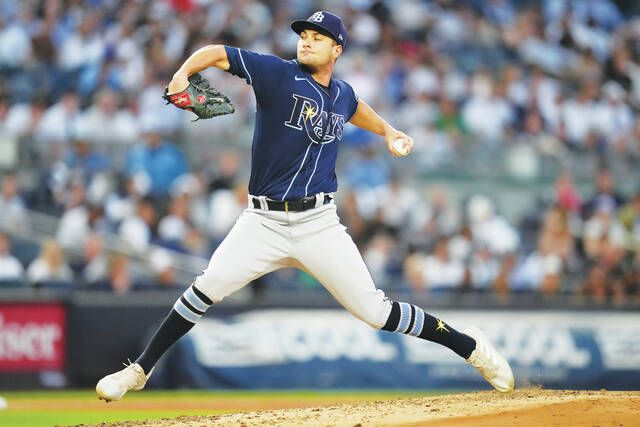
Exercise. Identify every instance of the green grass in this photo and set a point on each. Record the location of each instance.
(51, 418)
(48, 408)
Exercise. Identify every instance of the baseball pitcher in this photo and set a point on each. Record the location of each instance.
(291, 218)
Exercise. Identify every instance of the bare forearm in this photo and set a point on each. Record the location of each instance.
(205, 57)
(366, 118)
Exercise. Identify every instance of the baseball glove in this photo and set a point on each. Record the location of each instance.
(201, 98)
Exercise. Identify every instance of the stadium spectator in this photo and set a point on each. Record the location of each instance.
(84, 160)
(108, 124)
(119, 280)
(94, 260)
(57, 119)
(378, 255)
(161, 160)
(473, 82)
(225, 173)
(79, 219)
(489, 228)
(602, 233)
(173, 227)
(225, 205)
(450, 120)
(606, 196)
(487, 112)
(138, 230)
(399, 200)
(10, 268)
(121, 203)
(81, 55)
(542, 269)
(50, 266)
(629, 217)
(578, 117)
(23, 118)
(164, 275)
(13, 213)
(567, 196)
(482, 269)
(436, 271)
(556, 238)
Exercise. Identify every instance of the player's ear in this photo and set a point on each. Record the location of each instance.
(337, 51)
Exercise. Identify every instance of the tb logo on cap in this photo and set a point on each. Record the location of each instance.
(317, 17)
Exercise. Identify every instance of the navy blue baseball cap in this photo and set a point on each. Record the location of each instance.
(324, 22)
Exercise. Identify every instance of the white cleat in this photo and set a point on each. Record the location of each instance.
(491, 364)
(114, 386)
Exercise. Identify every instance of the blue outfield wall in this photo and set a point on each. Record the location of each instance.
(288, 348)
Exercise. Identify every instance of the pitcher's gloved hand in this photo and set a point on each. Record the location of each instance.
(201, 98)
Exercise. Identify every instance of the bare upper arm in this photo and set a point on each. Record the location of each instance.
(358, 113)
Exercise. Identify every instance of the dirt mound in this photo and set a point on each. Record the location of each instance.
(522, 407)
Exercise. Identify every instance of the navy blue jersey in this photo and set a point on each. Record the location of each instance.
(299, 124)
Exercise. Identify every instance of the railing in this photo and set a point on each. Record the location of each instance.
(40, 226)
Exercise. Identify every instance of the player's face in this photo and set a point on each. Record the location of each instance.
(315, 49)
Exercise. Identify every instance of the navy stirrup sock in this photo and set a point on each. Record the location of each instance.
(186, 312)
(411, 320)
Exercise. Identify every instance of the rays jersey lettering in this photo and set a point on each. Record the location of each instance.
(299, 125)
(320, 126)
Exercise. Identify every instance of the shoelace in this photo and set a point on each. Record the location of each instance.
(123, 372)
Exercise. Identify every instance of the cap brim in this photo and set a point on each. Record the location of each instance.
(300, 26)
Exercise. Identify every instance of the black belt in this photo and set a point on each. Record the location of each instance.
(299, 205)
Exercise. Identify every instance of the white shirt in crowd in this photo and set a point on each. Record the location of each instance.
(13, 213)
(18, 120)
(172, 228)
(10, 268)
(398, 202)
(487, 116)
(578, 118)
(530, 273)
(136, 233)
(484, 271)
(96, 270)
(120, 127)
(438, 273)
(546, 94)
(77, 51)
(73, 227)
(39, 271)
(596, 228)
(496, 234)
(55, 123)
(614, 120)
(224, 210)
(15, 45)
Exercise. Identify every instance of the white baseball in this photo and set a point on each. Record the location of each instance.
(399, 147)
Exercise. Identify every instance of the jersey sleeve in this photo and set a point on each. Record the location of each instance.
(352, 100)
(262, 72)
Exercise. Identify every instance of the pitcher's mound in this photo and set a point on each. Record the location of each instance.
(526, 407)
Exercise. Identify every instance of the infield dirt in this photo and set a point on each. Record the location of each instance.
(526, 407)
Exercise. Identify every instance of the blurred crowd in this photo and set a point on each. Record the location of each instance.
(85, 136)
